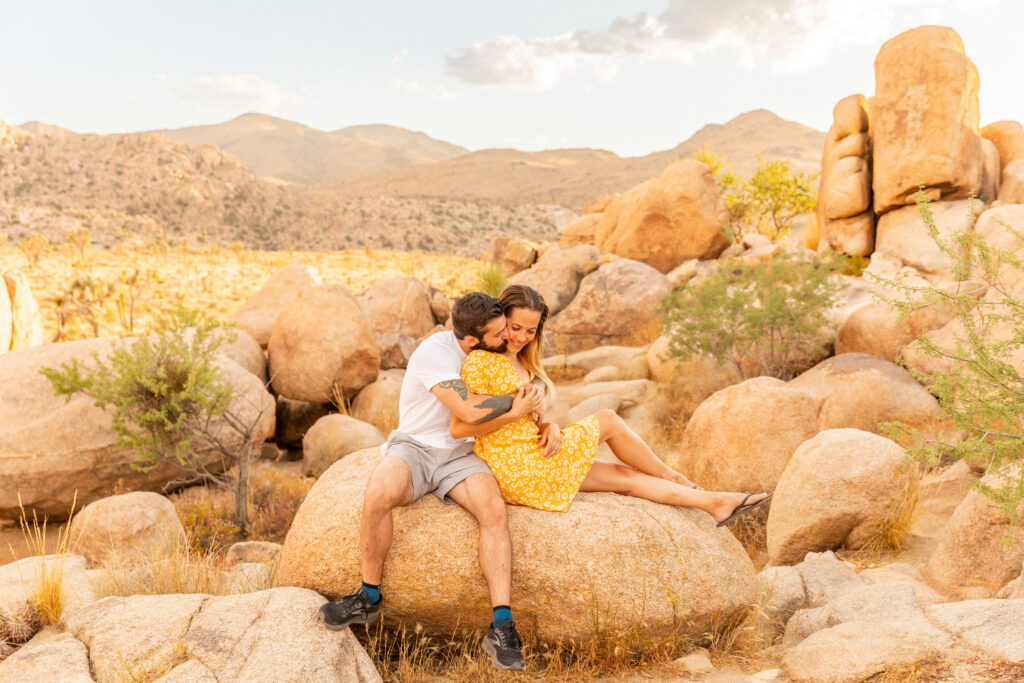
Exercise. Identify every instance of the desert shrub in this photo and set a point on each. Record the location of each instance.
(491, 279)
(34, 247)
(762, 319)
(168, 399)
(276, 497)
(768, 201)
(982, 393)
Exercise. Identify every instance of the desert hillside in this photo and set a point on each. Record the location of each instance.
(144, 187)
(290, 151)
(573, 176)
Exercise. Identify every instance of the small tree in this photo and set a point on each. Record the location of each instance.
(767, 317)
(768, 201)
(982, 393)
(169, 401)
(34, 247)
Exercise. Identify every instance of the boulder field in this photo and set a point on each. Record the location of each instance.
(609, 562)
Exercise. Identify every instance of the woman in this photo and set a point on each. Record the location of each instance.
(539, 466)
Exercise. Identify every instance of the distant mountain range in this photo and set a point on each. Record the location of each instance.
(571, 177)
(271, 183)
(290, 151)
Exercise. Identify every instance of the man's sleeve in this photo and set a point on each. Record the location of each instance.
(432, 369)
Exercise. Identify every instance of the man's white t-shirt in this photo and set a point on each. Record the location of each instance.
(421, 415)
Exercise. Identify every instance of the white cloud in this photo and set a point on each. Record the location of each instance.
(400, 57)
(237, 90)
(783, 35)
(407, 86)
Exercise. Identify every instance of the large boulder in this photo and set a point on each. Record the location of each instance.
(615, 305)
(259, 313)
(51, 447)
(876, 329)
(980, 549)
(1001, 227)
(996, 627)
(332, 438)
(861, 391)
(1011, 187)
(271, 635)
(647, 566)
(27, 323)
(243, 348)
(902, 234)
(322, 345)
(673, 218)
(840, 487)
(924, 126)
(557, 275)
(1008, 137)
(742, 437)
(398, 305)
(50, 656)
(580, 231)
(141, 523)
(377, 403)
(513, 254)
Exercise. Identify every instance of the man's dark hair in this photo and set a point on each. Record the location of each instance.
(471, 313)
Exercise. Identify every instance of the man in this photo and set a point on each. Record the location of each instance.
(421, 457)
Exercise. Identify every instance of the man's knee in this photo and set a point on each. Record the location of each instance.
(491, 512)
(388, 488)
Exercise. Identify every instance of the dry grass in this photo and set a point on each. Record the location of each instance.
(48, 600)
(410, 656)
(215, 280)
(891, 537)
(384, 419)
(274, 498)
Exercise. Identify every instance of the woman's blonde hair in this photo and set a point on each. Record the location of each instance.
(521, 296)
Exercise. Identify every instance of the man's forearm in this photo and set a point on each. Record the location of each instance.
(476, 408)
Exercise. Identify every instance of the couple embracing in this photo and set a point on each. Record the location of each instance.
(472, 432)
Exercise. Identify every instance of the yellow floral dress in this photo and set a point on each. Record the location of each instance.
(513, 452)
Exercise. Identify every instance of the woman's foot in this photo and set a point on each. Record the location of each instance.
(731, 505)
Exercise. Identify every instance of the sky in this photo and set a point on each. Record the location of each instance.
(632, 77)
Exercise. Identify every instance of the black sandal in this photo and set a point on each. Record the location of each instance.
(744, 507)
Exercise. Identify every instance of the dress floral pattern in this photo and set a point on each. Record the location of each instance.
(513, 453)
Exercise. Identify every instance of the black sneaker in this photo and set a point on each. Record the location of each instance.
(503, 646)
(351, 609)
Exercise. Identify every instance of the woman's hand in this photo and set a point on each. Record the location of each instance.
(550, 439)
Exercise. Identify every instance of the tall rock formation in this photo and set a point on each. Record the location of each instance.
(925, 119)
(845, 220)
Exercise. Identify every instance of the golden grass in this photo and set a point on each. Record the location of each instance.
(891, 537)
(410, 656)
(48, 600)
(214, 280)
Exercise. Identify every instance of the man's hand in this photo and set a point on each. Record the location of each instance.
(529, 399)
(550, 439)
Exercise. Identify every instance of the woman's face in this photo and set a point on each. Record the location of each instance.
(522, 328)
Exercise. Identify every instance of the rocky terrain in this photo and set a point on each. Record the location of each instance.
(867, 565)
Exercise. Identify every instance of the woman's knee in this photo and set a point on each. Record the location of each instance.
(610, 423)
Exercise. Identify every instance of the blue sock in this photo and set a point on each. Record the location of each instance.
(372, 592)
(502, 613)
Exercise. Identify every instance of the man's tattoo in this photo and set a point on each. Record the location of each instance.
(456, 385)
(498, 405)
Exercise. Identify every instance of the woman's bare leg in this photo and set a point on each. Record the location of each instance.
(605, 476)
(631, 449)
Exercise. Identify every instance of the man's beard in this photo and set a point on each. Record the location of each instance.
(493, 349)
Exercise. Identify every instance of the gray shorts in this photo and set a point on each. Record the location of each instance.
(434, 470)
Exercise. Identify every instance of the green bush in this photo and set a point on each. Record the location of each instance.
(763, 319)
(983, 391)
(168, 400)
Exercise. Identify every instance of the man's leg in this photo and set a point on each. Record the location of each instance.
(480, 496)
(390, 486)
